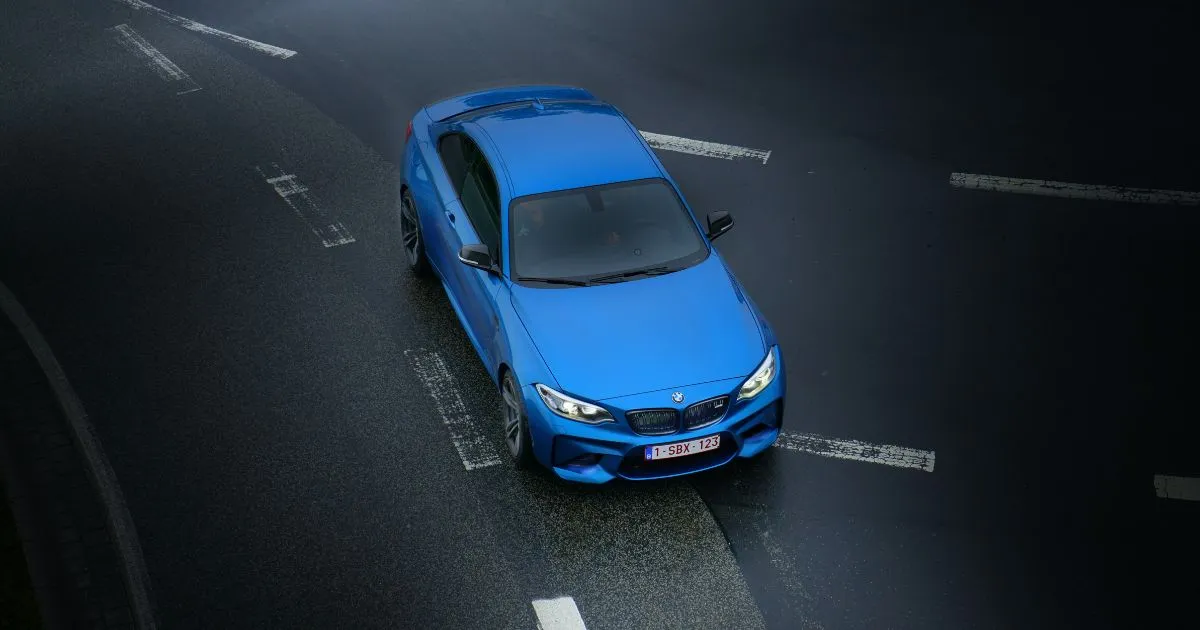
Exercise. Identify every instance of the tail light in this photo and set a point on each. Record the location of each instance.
(408, 132)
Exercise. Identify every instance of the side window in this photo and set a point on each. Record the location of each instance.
(450, 147)
(480, 197)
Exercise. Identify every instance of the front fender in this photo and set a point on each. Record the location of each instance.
(518, 351)
(764, 326)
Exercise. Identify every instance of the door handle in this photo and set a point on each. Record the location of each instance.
(450, 215)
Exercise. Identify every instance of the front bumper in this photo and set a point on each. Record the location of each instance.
(600, 453)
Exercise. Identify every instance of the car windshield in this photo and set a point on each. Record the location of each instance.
(603, 233)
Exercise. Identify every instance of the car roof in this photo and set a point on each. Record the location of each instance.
(551, 146)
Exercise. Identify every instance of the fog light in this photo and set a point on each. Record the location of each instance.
(583, 461)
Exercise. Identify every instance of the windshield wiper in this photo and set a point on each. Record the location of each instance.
(649, 271)
(574, 283)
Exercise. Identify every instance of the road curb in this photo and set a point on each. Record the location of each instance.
(99, 471)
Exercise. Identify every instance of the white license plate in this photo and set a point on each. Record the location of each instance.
(679, 449)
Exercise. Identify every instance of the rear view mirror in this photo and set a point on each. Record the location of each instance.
(478, 256)
(719, 222)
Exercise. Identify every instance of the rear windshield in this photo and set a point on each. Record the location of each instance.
(601, 230)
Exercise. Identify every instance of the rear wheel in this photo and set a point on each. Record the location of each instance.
(516, 422)
(411, 239)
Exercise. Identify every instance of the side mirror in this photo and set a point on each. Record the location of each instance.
(719, 222)
(478, 256)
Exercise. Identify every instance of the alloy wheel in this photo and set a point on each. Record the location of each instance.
(410, 231)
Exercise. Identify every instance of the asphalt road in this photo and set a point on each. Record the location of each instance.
(287, 465)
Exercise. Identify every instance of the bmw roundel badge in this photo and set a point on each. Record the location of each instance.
(677, 397)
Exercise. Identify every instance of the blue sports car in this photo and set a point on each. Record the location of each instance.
(621, 343)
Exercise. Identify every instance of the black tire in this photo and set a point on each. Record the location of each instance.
(516, 438)
(412, 241)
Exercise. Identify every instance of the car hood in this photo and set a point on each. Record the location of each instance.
(688, 327)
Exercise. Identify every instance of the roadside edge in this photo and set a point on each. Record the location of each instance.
(99, 471)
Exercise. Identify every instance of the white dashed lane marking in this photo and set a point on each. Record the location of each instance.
(855, 450)
(296, 195)
(475, 447)
(558, 614)
(1091, 192)
(194, 26)
(1183, 488)
(132, 41)
(706, 149)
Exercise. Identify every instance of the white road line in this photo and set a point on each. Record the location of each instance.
(192, 25)
(1184, 488)
(706, 149)
(132, 41)
(331, 231)
(474, 446)
(886, 454)
(99, 470)
(1091, 192)
(558, 614)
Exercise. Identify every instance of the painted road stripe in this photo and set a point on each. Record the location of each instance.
(1090, 192)
(1184, 488)
(886, 454)
(331, 232)
(475, 448)
(706, 149)
(132, 41)
(197, 27)
(558, 614)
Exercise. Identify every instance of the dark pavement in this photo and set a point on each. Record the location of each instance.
(62, 539)
(285, 466)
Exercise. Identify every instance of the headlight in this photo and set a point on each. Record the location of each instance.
(572, 409)
(761, 377)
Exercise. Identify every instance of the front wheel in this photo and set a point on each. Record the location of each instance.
(516, 423)
(411, 239)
